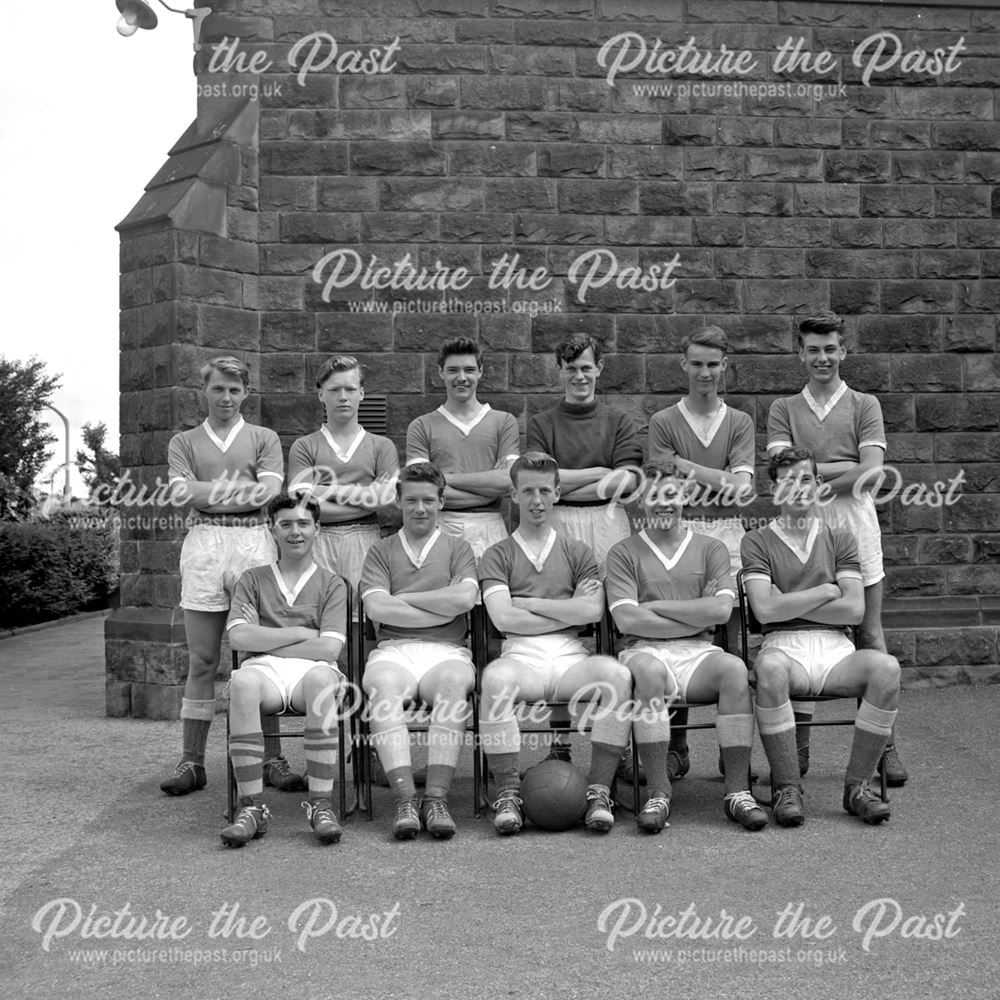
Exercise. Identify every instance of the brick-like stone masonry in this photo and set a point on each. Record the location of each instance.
(495, 132)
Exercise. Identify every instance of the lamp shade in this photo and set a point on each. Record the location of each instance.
(135, 14)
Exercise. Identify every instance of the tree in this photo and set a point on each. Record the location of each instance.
(101, 467)
(25, 389)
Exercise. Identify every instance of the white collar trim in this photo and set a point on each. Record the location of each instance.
(466, 429)
(668, 564)
(223, 446)
(537, 561)
(697, 426)
(291, 595)
(823, 411)
(419, 558)
(802, 554)
(344, 456)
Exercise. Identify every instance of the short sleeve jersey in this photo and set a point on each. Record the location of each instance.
(586, 435)
(639, 572)
(829, 556)
(318, 600)
(727, 444)
(316, 459)
(248, 452)
(555, 573)
(392, 567)
(478, 446)
(835, 432)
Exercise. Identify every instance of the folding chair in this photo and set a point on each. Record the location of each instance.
(416, 714)
(299, 731)
(549, 717)
(750, 625)
(719, 639)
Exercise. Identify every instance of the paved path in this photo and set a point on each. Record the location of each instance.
(83, 823)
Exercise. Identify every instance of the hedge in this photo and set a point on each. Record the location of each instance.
(56, 567)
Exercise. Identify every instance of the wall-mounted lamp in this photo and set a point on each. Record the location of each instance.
(138, 14)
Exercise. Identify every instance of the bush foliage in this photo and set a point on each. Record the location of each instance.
(56, 567)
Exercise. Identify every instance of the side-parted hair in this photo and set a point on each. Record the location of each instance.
(822, 323)
(535, 461)
(788, 457)
(286, 501)
(340, 363)
(710, 336)
(572, 347)
(421, 472)
(459, 345)
(227, 365)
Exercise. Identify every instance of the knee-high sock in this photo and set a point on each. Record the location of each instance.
(393, 746)
(872, 727)
(321, 760)
(196, 719)
(502, 743)
(652, 736)
(777, 733)
(246, 751)
(444, 744)
(735, 733)
(607, 740)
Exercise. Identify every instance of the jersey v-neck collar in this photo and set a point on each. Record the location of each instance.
(343, 456)
(224, 445)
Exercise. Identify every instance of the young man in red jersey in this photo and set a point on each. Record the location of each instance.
(291, 615)
(350, 470)
(225, 471)
(843, 428)
(803, 581)
(668, 587)
(539, 586)
(418, 586)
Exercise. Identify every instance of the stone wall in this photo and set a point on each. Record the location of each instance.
(458, 134)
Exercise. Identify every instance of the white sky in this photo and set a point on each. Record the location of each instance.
(86, 119)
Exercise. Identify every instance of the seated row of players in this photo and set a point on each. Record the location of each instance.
(226, 470)
(668, 587)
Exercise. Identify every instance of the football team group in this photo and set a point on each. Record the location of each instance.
(661, 544)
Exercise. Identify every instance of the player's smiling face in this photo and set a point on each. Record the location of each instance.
(705, 367)
(663, 501)
(420, 505)
(579, 377)
(461, 374)
(795, 488)
(535, 495)
(294, 531)
(225, 395)
(341, 394)
(822, 353)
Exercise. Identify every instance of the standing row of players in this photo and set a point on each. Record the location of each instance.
(475, 446)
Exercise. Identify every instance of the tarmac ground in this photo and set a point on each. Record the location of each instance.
(109, 889)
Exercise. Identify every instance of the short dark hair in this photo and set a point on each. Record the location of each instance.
(662, 469)
(823, 323)
(534, 461)
(420, 472)
(286, 501)
(459, 345)
(572, 347)
(709, 336)
(787, 457)
(340, 363)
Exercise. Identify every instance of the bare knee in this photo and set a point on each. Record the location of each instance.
(771, 671)
(884, 677)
